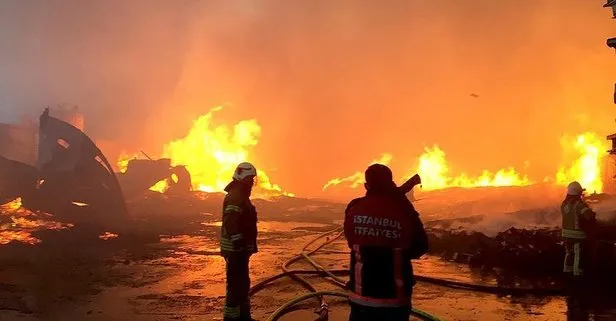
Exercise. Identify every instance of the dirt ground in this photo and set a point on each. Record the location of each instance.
(173, 272)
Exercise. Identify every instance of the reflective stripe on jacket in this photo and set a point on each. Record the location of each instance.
(364, 287)
(239, 222)
(574, 211)
(380, 230)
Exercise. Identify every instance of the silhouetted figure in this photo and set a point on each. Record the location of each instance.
(238, 241)
(578, 223)
(384, 233)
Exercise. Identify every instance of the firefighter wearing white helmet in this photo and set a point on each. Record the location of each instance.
(577, 218)
(238, 241)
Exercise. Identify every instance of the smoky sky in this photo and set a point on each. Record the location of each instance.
(333, 84)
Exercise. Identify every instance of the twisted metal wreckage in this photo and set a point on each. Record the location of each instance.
(73, 180)
(72, 177)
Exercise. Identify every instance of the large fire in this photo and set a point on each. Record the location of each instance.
(589, 152)
(434, 172)
(585, 153)
(211, 153)
(122, 163)
(357, 178)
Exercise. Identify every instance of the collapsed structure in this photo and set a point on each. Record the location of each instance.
(70, 176)
(142, 174)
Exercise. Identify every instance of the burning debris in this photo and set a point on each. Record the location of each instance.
(587, 167)
(208, 155)
(434, 170)
(107, 236)
(18, 223)
(157, 175)
(72, 180)
(586, 151)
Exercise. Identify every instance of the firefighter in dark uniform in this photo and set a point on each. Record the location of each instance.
(384, 233)
(578, 220)
(238, 241)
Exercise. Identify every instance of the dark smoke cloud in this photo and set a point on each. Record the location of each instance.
(333, 83)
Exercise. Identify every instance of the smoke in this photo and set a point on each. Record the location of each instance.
(492, 210)
(117, 60)
(606, 210)
(332, 83)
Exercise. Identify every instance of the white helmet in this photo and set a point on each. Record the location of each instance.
(575, 189)
(244, 170)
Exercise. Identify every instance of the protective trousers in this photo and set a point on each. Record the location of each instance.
(364, 313)
(237, 302)
(578, 302)
(575, 257)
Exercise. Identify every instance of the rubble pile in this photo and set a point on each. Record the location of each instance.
(523, 252)
(73, 183)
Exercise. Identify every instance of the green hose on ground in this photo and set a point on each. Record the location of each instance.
(305, 254)
(333, 276)
(274, 316)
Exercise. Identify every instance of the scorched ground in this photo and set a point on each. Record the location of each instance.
(164, 263)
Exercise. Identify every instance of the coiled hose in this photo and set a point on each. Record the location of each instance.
(421, 314)
(323, 310)
(333, 277)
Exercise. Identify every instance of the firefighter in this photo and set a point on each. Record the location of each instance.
(238, 241)
(384, 233)
(578, 221)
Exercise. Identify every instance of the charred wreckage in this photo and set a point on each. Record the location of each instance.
(73, 180)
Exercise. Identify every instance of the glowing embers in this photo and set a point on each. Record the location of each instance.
(107, 236)
(17, 223)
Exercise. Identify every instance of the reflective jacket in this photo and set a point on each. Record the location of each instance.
(239, 222)
(384, 233)
(577, 217)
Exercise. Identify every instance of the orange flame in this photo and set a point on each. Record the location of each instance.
(20, 223)
(161, 186)
(358, 178)
(107, 236)
(123, 160)
(586, 151)
(589, 152)
(14, 204)
(433, 170)
(211, 154)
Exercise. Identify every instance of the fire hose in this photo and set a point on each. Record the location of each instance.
(333, 277)
(323, 309)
